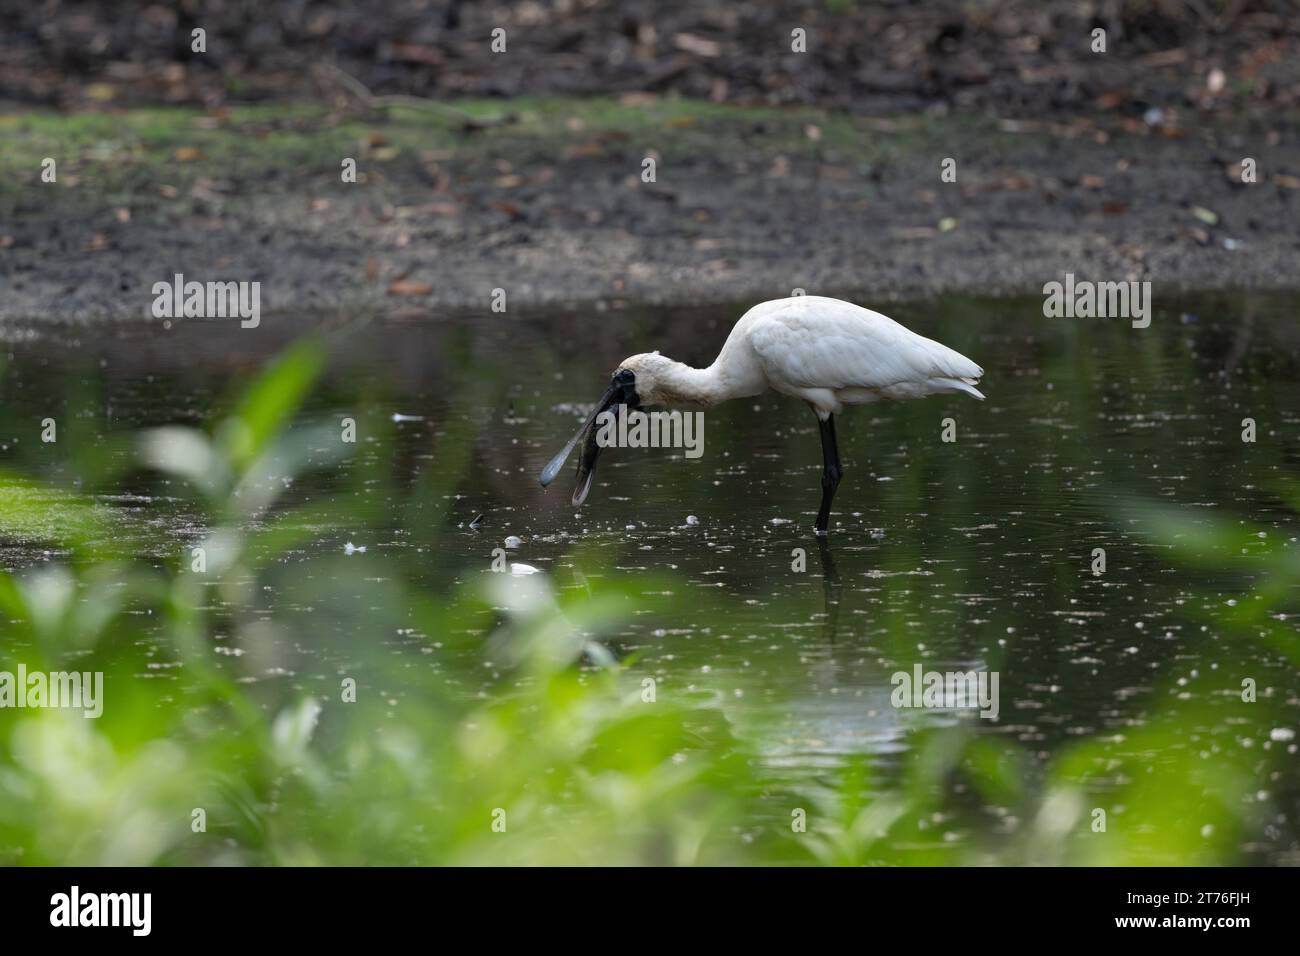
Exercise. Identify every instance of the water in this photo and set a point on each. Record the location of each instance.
(975, 554)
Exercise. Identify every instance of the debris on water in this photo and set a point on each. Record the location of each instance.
(475, 522)
(513, 541)
(520, 568)
(780, 521)
(1281, 734)
(351, 548)
(692, 520)
(877, 534)
(1155, 116)
(399, 417)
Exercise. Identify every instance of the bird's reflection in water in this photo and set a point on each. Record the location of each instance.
(844, 708)
(830, 588)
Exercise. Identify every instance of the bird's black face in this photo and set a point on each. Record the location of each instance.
(621, 391)
(625, 380)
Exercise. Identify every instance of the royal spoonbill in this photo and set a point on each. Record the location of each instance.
(827, 352)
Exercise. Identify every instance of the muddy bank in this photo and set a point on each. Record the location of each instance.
(553, 208)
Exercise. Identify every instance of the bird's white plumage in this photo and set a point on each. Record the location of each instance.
(830, 352)
(810, 341)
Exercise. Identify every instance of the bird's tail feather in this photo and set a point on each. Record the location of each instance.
(966, 385)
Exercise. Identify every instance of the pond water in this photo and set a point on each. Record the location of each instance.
(972, 554)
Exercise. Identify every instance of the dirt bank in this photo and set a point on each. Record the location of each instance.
(552, 207)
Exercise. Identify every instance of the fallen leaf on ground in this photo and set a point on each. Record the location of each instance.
(415, 53)
(690, 43)
(409, 287)
(582, 150)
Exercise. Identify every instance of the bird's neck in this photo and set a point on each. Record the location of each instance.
(680, 384)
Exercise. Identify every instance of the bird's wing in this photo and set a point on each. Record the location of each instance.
(824, 343)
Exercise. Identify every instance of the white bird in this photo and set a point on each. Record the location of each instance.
(827, 352)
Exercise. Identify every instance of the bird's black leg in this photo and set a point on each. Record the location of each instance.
(831, 473)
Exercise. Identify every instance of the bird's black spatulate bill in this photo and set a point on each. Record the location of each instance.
(555, 464)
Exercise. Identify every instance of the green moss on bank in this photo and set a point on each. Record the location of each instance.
(123, 156)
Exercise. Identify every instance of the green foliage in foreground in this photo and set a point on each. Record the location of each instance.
(563, 752)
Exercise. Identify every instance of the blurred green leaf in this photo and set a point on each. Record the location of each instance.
(269, 403)
(185, 453)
